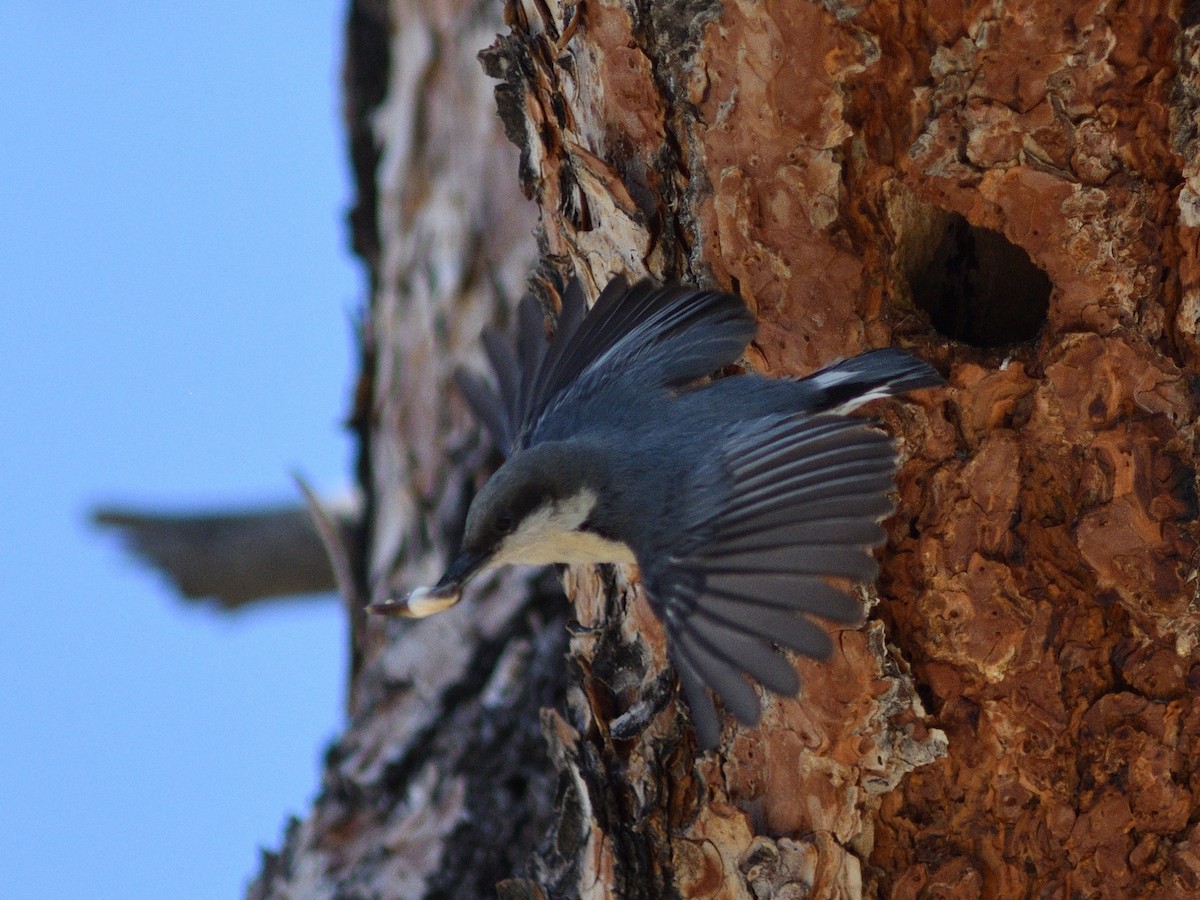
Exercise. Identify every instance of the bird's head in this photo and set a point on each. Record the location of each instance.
(533, 511)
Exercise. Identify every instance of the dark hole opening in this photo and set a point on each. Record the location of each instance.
(981, 289)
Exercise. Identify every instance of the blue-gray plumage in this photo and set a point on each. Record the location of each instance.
(736, 498)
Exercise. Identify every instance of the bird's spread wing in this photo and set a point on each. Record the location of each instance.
(803, 499)
(515, 362)
(657, 337)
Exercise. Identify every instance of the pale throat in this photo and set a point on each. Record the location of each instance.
(550, 534)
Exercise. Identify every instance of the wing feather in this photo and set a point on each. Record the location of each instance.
(720, 675)
(764, 512)
(695, 686)
(785, 627)
(648, 336)
(746, 651)
(764, 534)
(570, 317)
(487, 406)
(844, 562)
(502, 358)
(765, 467)
(803, 498)
(531, 349)
(804, 594)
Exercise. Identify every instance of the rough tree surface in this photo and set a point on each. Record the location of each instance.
(1012, 191)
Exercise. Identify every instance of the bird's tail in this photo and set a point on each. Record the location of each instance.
(852, 382)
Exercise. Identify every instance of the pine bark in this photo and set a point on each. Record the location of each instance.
(1012, 191)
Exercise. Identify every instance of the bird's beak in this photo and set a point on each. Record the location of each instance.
(425, 601)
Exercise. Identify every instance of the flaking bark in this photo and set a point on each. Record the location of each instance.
(1018, 716)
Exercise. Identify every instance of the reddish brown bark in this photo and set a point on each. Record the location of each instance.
(1041, 574)
(1018, 717)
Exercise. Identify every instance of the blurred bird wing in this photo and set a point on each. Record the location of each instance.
(646, 336)
(803, 501)
(515, 361)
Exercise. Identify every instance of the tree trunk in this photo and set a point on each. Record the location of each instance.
(1009, 190)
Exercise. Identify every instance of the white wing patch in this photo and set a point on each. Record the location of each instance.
(550, 534)
(827, 380)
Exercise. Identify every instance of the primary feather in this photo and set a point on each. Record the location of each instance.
(737, 497)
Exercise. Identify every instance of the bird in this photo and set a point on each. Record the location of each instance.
(737, 497)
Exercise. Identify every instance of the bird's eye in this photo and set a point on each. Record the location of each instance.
(505, 522)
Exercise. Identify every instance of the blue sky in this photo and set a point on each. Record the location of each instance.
(175, 300)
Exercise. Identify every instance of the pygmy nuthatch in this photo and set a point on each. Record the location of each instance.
(737, 498)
